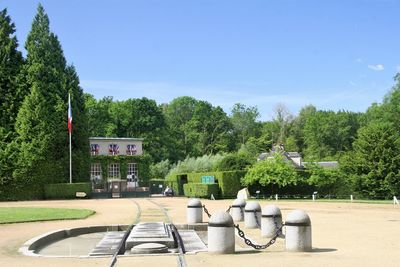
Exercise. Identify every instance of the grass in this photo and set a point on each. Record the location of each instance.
(29, 214)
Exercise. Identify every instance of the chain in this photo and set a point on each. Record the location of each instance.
(229, 209)
(279, 231)
(206, 211)
(255, 246)
(256, 217)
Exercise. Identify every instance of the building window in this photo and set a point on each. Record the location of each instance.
(94, 149)
(132, 172)
(131, 150)
(113, 171)
(95, 172)
(113, 149)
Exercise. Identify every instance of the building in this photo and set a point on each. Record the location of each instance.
(115, 165)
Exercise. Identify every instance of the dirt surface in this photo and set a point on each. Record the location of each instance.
(343, 234)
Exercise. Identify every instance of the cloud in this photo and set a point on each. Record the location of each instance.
(352, 83)
(377, 67)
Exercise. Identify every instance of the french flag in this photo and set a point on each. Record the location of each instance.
(69, 114)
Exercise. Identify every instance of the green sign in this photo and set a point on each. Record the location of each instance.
(207, 179)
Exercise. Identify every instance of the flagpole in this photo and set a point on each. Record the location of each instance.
(70, 134)
(70, 159)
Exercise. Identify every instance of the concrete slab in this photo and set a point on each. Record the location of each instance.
(150, 232)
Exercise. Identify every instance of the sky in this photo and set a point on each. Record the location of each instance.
(334, 54)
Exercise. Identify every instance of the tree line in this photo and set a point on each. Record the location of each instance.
(34, 138)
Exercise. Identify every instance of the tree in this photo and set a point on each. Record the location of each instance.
(374, 164)
(42, 120)
(211, 127)
(283, 119)
(10, 96)
(327, 181)
(10, 65)
(244, 121)
(275, 171)
(179, 113)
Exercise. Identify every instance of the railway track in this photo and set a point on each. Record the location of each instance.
(148, 213)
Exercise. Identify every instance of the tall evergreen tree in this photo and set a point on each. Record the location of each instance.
(10, 96)
(42, 121)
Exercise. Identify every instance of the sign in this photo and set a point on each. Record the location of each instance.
(207, 179)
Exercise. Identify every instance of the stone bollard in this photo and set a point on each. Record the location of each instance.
(237, 209)
(252, 215)
(221, 233)
(271, 220)
(298, 231)
(194, 211)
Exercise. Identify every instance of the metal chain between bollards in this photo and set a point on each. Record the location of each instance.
(256, 217)
(206, 211)
(229, 209)
(255, 246)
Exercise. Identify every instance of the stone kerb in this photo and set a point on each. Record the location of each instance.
(221, 233)
(298, 231)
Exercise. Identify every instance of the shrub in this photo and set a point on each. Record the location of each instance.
(200, 190)
(234, 161)
(229, 182)
(160, 169)
(63, 191)
(205, 163)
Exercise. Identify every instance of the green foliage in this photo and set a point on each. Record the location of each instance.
(160, 169)
(375, 162)
(29, 214)
(327, 134)
(205, 163)
(235, 161)
(10, 65)
(66, 191)
(327, 181)
(200, 190)
(230, 183)
(244, 121)
(274, 171)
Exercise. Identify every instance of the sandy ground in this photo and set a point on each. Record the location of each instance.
(343, 234)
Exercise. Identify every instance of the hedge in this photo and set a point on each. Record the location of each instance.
(228, 181)
(63, 191)
(200, 190)
(174, 181)
(154, 186)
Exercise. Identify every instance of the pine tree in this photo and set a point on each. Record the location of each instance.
(10, 65)
(42, 120)
(10, 98)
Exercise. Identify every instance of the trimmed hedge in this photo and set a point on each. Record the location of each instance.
(63, 191)
(228, 181)
(174, 181)
(200, 190)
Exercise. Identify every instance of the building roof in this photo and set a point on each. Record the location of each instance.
(116, 138)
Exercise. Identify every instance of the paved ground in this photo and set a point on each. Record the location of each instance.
(343, 234)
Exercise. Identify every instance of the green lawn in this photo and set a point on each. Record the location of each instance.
(26, 214)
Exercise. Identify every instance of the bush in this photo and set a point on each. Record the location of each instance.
(235, 161)
(63, 191)
(160, 169)
(200, 190)
(205, 163)
(229, 182)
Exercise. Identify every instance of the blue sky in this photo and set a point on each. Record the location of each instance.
(332, 54)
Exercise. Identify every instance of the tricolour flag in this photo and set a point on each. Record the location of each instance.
(69, 114)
